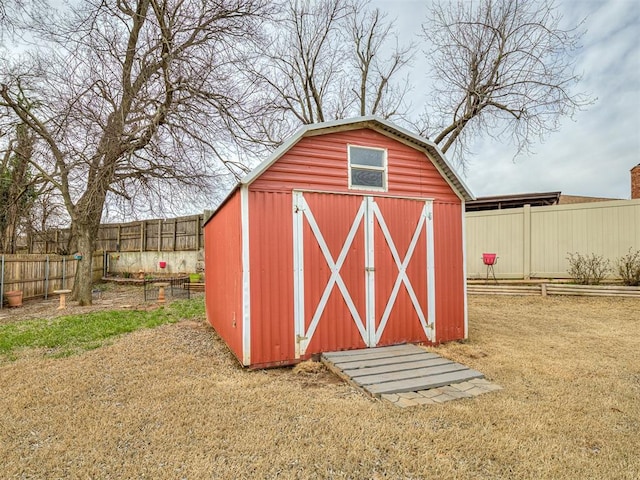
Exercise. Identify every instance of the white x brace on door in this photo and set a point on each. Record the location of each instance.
(370, 325)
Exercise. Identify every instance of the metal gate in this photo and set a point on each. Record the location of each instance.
(363, 271)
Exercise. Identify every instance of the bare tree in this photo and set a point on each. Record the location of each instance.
(500, 68)
(326, 60)
(13, 13)
(379, 92)
(18, 186)
(302, 62)
(134, 96)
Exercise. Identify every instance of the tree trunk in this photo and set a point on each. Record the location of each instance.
(84, 271)
(17, 194)
(8, 240)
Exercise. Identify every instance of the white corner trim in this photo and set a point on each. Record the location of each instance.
(431, 273)
(298, 273)
(464, 270)
(246, 277)
(369, 272)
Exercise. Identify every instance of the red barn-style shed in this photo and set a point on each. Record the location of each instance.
(350, 235)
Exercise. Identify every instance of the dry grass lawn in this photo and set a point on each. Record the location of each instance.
(172, 403)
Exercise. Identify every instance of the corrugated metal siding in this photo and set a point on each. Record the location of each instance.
(223, 270)
(401, 217)
(320, 163)
(336, 329)
(449, 273)
(271, 262)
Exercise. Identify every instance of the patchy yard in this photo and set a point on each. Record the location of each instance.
(171, 402)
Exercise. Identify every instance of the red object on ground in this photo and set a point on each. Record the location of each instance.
(163, 264)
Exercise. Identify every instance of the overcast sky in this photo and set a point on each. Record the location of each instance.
(590, 155)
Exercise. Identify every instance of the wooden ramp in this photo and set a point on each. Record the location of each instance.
(397, 369)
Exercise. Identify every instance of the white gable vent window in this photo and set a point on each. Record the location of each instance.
(367, 168)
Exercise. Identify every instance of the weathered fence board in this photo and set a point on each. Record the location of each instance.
(168, 235)
(39, 275)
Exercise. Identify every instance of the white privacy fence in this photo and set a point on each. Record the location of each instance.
(535, 242)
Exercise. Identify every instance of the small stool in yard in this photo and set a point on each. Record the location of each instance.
(161, 286)
(490, 259)
(63, 298)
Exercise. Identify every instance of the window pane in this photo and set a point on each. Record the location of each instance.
(366, 178)
(366, 156)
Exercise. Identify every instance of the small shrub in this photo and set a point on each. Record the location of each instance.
(629, 268)
(588, 269)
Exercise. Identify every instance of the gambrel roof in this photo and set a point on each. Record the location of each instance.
(377, 124)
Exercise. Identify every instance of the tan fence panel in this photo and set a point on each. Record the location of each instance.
(603, 228)
(535, 242)
(500, 232)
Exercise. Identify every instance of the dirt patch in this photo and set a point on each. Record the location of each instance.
(173, 402)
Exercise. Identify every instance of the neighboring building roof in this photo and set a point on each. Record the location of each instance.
(498, 202)
(569, 199)
(380, 125)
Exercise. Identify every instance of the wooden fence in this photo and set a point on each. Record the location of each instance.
(534, 242)
(39, 275)
(545, 289)
(168, 235)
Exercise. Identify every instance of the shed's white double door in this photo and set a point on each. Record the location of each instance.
(363, 271)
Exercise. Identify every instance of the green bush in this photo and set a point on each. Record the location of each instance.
(629, 268)
(588, 269)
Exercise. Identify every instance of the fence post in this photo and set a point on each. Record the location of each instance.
(159, 235)
(46, 278)
(198, 232)
(526, 261)
(64, 272)
(143, 229)
(2, 283)
(175, 233)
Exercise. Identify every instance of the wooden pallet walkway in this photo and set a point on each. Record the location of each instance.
(397, 369)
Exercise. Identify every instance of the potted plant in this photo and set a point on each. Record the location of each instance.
(14, 298)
